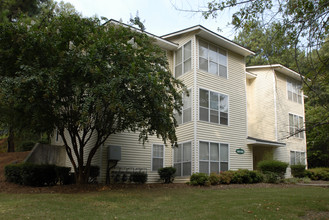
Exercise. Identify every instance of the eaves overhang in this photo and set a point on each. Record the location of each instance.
(261, 142)
(161, 42)
(250, 75)
(280, 68)
(213, 37)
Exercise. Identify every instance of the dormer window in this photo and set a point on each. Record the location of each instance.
(212, 59)
(183, 61)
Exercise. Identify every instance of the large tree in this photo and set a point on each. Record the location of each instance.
(271, 45)
(13, 11)
(88, 80)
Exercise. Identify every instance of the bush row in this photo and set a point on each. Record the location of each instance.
(42, 175)
(136, 177)
(37, 175)
(271, 171)
(318, 173)
(298, 171)
(242, 176)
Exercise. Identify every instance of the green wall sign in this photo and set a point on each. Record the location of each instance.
(239, 151)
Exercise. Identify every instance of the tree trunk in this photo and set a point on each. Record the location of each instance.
(10, 140)
(82, 176)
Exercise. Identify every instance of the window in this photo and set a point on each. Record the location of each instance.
(297, 157)
(182, 159)
(294, 91)
(296, 125)
(183, 61)
(213, 107)
(157, 156)
(213, 157)
(186, 115)
(212, 59)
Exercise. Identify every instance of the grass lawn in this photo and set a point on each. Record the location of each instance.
(172, 203)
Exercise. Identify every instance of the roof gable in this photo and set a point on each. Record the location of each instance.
(212, 37)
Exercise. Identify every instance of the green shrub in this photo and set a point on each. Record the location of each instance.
(244, 176)
(35, 174)
(298, 171)
(38, 175)
(271, 177)
(214, 179)
(273, 166)
(138, 177)
(226, 177)
(93, 174)
(167, 174)
(13, 173)
(63, 175)
(320, 173)
(31, 174)
(199, 179)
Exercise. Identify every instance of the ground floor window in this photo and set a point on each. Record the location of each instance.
(183, 159)
(157, 156)
(213, 157)
(297, 157)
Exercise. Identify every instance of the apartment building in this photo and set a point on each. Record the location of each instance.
(234, 116)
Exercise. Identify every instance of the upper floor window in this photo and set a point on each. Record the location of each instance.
(186, 115)
(213, 107)
(296, 126)
(182, 159)
(157, 156)
(183, 61)
(297, 157)
(294, 91)
(213, 157)
(212, 59)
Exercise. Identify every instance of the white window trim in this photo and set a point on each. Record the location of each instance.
(182, 47)
(301, 92)
(173, 156)
(228, 107)
(182, 109)
(198, 59)
(295, 151)
(229, 153)
(163, 158)
(301, 138)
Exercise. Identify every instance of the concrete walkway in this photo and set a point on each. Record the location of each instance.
(314, 184)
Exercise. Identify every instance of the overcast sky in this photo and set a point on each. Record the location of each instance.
(160, 16)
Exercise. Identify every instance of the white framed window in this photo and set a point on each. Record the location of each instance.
(296, 125)
(213, 107)
(183, 159)
(186, 115)
(183, 60)
(297, 157)
(294, 91)
(157, 156)
(213, 157)
(212, 59)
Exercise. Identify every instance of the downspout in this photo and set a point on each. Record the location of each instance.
(195, 105)
(275, 108)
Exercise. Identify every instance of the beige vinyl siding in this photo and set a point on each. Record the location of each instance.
(261, 106)
(134, 154)
(235, 132)
(284, 107)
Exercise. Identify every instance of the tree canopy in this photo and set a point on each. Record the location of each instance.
(87, 80)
